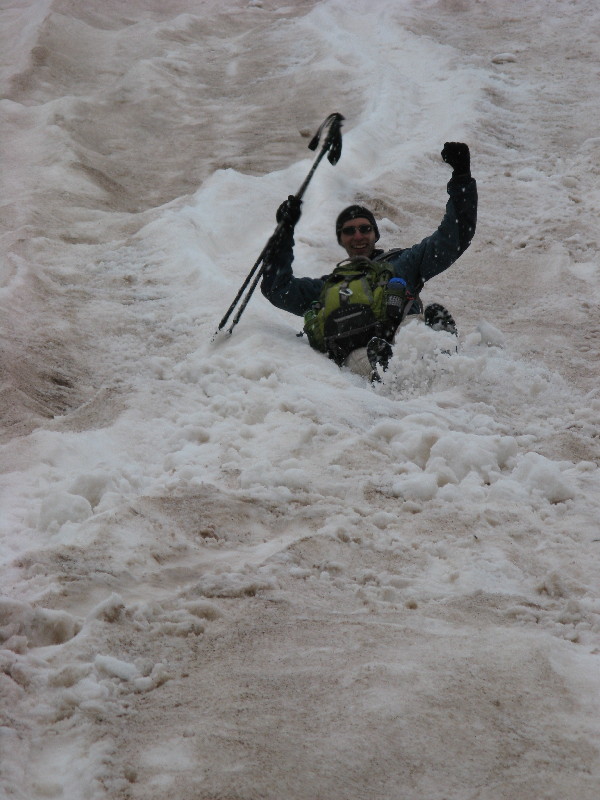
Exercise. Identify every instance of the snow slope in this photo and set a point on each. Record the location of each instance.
(228, 568)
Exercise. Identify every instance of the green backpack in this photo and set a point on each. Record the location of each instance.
(359, 300)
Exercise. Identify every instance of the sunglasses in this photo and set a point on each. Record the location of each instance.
(350, 230)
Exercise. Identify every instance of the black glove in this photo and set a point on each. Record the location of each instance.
(457, 155)
(289, 212)
(279, 249)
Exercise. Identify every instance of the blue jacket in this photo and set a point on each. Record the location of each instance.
(416, 264)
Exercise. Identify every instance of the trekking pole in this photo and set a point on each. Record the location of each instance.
(333, 144)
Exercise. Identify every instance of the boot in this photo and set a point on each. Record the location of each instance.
(439, 318)
(379, 352)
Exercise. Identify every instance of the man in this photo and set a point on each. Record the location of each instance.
(357, 233)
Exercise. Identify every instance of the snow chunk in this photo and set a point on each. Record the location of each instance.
(542, 476)
(416, 487)
(39, 626)
(527, 174)
(504, 58)
(159, 675)
(68, 676)
(490, 335)
(295, 479)
(203, 609)
(115, 668)
(464, 453)
(110, 610)
(62, 507)
(534, 478)
(91, 486)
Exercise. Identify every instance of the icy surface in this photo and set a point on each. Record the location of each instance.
(230, 569)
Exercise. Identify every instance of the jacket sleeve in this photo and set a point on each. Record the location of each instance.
(454, 234)
(280, 286)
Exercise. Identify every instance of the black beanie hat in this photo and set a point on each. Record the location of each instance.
(353, 212)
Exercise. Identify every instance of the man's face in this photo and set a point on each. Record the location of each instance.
(358, 237)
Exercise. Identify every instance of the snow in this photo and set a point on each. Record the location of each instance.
(229, 568)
